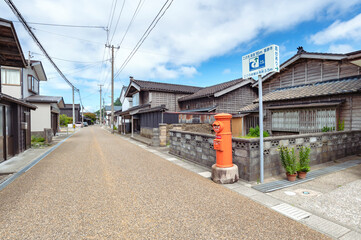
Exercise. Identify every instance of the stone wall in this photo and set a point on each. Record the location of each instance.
(151, 133)
(48, 135)
(325, 147)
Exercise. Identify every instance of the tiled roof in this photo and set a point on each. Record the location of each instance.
(17, 101)
(165, 87)
(44, 99)
(331, 87)
(116, 108)
(250, 108)
(208, 91)
(207, 109)
(304, 54)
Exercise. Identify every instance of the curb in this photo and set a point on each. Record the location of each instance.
(32, 164)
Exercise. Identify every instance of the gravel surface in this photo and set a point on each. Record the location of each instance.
(99, 186)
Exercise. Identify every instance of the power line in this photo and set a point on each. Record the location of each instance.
(145, 35)
(66, 60)
(66, 36)
(27, 28)
(65, 25)
(131, 21)
(116, 25)
(110, 20)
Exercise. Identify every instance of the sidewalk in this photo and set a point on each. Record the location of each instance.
(329, 204)
(17, 165)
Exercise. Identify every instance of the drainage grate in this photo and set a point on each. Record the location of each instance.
(273, 186)
(292, 212)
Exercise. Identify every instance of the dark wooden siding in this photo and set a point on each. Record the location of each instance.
(152, 119)
(349, 111)
(169, 99)
(310, 71)
(228, 103)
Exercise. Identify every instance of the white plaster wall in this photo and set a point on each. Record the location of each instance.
(14, 91)
(26, 92)
(40, 118)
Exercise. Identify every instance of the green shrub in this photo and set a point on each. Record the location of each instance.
(288, 159)
(341, 125)
(304, 159)
(115, 128)
(35, 139)
(328, 129)
(254, 132)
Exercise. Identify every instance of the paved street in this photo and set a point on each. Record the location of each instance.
(99, 186)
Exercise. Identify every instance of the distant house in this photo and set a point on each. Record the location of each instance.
(46, 114)
(150, 101)
(15, 128)
(108, 111)
(124, 122)
(312, 92)
(68, 111)
(226, 97)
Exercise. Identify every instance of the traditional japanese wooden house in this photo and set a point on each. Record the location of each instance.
(313, 92)
(150, 102)
(15, 129)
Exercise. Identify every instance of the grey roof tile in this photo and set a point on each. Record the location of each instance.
(165, 87)
(208, 91)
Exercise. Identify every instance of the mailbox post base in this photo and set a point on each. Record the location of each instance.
(225, 175)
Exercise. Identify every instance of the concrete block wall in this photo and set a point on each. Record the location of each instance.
(325, 147)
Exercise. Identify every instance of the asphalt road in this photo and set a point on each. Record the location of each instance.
(99, 186)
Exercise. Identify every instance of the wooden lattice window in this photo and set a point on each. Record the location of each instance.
(303, 120)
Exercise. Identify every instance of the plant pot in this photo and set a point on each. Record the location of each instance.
(302, 175)
(291, 177)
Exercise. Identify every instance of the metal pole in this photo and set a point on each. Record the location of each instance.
(112, 114)
(103, 111)
(73, 110)
(260, 127)
(100, 109)
(132, 126)
(82, 114)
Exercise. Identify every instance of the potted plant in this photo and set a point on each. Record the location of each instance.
(288, 160)
(304, 162)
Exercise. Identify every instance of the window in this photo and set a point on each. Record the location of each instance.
(33, 84)
(303, 120)
(10, 76)
(135, 98)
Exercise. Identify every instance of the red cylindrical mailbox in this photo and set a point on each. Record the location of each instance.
(223, 142)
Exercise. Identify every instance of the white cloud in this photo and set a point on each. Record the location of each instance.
(227, 71)
(350, 29)
(190, 33)
(340, 48)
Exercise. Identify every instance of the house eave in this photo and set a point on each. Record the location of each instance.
(336, 57)
(232, 88)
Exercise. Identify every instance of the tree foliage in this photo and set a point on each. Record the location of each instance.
(90, 115)
(117, 102)
(65, 120)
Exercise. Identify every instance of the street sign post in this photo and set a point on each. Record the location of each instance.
(260, 63)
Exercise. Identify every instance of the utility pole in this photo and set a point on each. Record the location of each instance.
(104, 110)
(100, 110)
(112, 110)
(73, 109)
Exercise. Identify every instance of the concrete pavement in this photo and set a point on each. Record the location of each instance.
(100, 186)
(329, 204)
